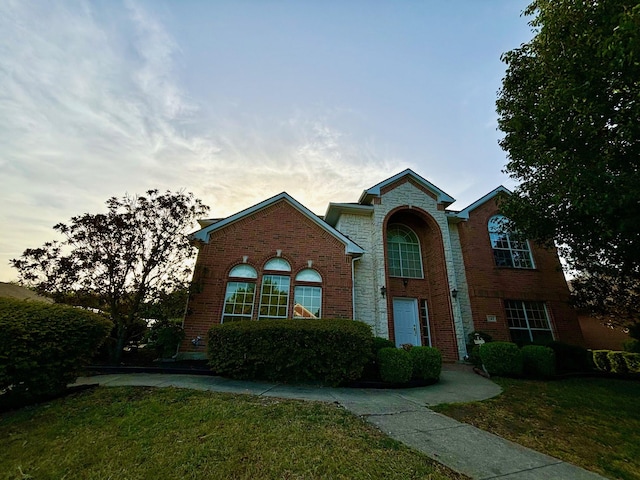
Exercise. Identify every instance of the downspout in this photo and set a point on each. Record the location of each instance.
(353, 287)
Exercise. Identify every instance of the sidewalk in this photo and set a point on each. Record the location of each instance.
(403, 415)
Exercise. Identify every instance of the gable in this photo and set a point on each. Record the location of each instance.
(295, 209)
(464, 214)
(408, 175)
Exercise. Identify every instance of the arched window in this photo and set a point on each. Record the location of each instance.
(278, 265)
(274, 294)
(240, 296)
(243, 271)
(403, 252)
(509, 248)
(307, 302)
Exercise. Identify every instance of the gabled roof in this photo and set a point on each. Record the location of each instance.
(351, 248)
(334, 210)
(464, 214)
(374, 191)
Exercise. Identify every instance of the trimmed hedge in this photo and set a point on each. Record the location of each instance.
(329, 350)
(426, 362)
(601, 359)
(379, 343)
(538, 361)
(502, 359)
(633, 361)
(395, 365)
(617, 362)
(43, 347)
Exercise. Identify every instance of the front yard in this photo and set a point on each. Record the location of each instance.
(141, 433)
(591, 422)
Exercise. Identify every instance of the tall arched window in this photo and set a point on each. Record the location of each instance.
(307, 295)
(240, 294)
(509, 248)
(274, 294)
(403, 252)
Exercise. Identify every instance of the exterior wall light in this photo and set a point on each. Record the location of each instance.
(383, 291)
(454, 293)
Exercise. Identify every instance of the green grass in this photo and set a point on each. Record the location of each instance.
(591, 422)
(141, 433)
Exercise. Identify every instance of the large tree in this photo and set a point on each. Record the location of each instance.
(569, 108)
(119, 261)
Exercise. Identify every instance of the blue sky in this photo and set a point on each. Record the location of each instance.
(237, 101)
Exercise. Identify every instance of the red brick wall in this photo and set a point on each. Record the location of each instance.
(277, 227)
(434, 287)
(490, 285)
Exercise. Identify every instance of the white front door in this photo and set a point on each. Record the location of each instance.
(406, 321)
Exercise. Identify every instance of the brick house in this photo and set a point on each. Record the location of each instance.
(397, 260)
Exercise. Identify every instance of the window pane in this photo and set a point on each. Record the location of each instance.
(278, 264)
(243, 271)
(238, 301)
(307, 302)
(509, 248)
(528, 321)
(308, 275)
(403, 252)
(274, 297)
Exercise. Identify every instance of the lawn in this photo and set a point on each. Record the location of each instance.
(141, 433)
(591, 422)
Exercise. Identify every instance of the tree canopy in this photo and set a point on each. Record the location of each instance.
(120, 261)
(569, 108)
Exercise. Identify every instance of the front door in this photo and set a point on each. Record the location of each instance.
(406, 322)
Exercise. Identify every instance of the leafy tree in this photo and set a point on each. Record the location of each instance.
(133, 255)
(569, 108)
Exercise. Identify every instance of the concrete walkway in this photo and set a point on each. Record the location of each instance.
(403, 415)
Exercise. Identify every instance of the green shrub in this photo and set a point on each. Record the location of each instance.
(43, 347)
(395, 365)
(164, 337)
(331, 351)
(501, 359)
(633, 361)
(538, 361)
(617, 362)
(474, 356)
(379, 343)
(426, 363)
(601, 360)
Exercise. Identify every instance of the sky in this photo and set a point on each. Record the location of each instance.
(239, 100)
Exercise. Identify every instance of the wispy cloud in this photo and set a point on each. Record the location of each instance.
(90, 107)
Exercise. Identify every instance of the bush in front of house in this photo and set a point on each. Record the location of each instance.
(571, 358)
(371, 371)
(503, 359)
(617, 362)
(601, 360)
(632, 346)
(43, 347)
(332, 351)
(395, 365)
(426, 363)
(538, 361)
(633, 361)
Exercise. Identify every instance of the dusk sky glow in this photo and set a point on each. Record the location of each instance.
(237, 101)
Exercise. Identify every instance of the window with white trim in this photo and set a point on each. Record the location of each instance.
(528, 321)
(238, 301)
(509, 248)
(274, 296)
(307, 298)
(403, 252)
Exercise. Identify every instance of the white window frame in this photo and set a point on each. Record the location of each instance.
(403, 274)
(522, 304)
(496, 229)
